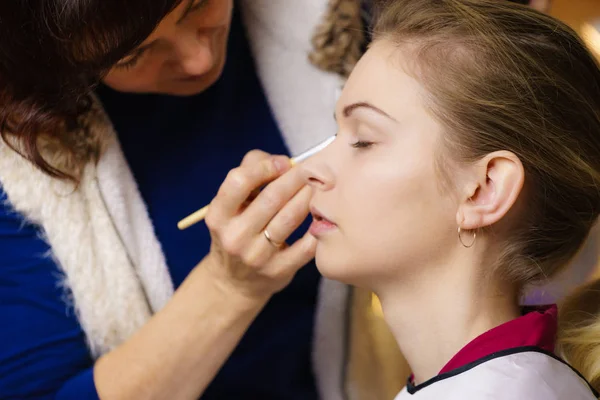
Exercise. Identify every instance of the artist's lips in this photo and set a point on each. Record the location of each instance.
(321, 224)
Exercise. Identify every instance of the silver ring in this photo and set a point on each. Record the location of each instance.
(270, 240)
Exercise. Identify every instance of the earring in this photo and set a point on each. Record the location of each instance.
(461, 240)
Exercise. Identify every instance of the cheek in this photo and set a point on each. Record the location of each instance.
(137, 80)
(393, 206)
(391, 216)
(217, 13)
(392, 191)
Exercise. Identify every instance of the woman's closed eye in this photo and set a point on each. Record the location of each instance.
(362, 144)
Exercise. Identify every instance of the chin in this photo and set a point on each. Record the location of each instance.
(337, 268)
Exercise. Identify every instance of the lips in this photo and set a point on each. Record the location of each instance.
(321, 224)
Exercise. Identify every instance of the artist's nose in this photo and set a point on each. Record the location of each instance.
(194, 53)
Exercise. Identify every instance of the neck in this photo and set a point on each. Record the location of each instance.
(435, 314)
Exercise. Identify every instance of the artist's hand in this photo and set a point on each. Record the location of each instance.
(241, 257)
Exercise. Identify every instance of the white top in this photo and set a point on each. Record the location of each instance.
(515, 374)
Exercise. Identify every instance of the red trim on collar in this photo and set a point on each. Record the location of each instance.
(537, 327)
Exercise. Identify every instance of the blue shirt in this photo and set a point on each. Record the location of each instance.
(179, 150)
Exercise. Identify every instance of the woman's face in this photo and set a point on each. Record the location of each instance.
(376, 185)
(183, 56)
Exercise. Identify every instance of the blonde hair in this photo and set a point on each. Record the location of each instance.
(579, 331)
(501, 76)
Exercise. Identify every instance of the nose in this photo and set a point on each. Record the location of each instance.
(317, 171)
(195, 54)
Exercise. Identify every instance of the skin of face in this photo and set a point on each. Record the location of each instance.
(183, 56)
(377, 183)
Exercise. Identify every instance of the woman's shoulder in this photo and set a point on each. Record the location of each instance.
(15, 230)
(520, 374)
(26, 262)
(37, 322)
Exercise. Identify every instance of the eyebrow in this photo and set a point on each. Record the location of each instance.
(186, 11)
(349, 109)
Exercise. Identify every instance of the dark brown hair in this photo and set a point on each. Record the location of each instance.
(53, 53)
(501, 76)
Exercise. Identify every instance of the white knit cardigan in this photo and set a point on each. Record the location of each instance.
(102, 237)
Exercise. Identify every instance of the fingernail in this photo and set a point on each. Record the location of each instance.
(282, 163)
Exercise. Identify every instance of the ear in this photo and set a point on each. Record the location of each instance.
(494, 185)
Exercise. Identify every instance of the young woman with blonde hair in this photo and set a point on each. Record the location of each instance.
(466, 167)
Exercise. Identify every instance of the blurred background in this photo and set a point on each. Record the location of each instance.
(584, 17)
(581, 15)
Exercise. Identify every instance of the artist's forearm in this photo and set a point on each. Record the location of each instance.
(180, 350)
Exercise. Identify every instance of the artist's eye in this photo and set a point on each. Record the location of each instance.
(198, 5)
(361, 144)
(131, 61)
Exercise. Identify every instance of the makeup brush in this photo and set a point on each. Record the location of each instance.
(201, 213)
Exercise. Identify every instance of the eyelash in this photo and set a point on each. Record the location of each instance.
(132, 62)
(361, 144)
(199, 5)
(135, 59)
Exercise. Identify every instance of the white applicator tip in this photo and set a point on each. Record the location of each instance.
(312, 151)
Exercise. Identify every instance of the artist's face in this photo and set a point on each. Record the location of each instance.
(183, 56)
(377, 184)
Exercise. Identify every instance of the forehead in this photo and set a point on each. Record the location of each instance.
(169, 20)
(383, 77)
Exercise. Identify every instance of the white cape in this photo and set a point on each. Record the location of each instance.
(524, 375)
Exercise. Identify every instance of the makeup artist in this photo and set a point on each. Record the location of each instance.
(120, 118)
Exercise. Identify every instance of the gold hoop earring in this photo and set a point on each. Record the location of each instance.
(462, 242)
